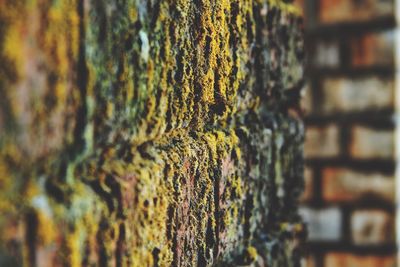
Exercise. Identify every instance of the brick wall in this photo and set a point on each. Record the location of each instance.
(348, 201)
(150, 133)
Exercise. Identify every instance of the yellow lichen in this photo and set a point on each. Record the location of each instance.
(252, 251)
(285, 7)
(156, 169)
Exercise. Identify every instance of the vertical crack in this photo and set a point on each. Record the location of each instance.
(82, 81)
(31, 230)
(217, 213)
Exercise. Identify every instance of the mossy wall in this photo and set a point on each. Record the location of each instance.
(150, 133)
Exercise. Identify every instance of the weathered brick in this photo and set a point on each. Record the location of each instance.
(150, 133)
(341, 184)
(327, 54)
(332, 11)
(351, 260)
(323, 224)
(308, 185)
(299, 4)
(348, 95)
(372, 227)
(306, 101)
(322, 142)
(370, 143)
(308, 261)
(373, 49)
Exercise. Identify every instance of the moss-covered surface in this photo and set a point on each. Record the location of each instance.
(149, 133)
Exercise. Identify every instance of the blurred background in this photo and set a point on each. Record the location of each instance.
(349, 198)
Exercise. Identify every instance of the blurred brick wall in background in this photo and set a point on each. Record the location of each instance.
(349, 195)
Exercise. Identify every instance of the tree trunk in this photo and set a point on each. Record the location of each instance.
(150, 133)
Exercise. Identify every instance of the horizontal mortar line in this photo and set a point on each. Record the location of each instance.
(374, 203)
(357, 164)
(188, 129)
(343, 246)
(379, 119)
(174, 131)
(387, 169)
(351, 72)
(342, 29)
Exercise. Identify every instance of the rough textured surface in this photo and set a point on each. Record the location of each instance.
(150, 133)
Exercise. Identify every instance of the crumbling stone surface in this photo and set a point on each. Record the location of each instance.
(150, 133)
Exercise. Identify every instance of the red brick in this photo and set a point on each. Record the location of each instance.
(351, 260)
(340, 184)
(332, 11)
(308, 185)
(308, 261)
(47, 257)
(322, 142)
(323, 224)
(299, 4)
(372, 227)
(373, 49)
(349, 95)
(369, 143)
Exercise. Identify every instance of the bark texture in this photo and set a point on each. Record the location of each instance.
(150, 133)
